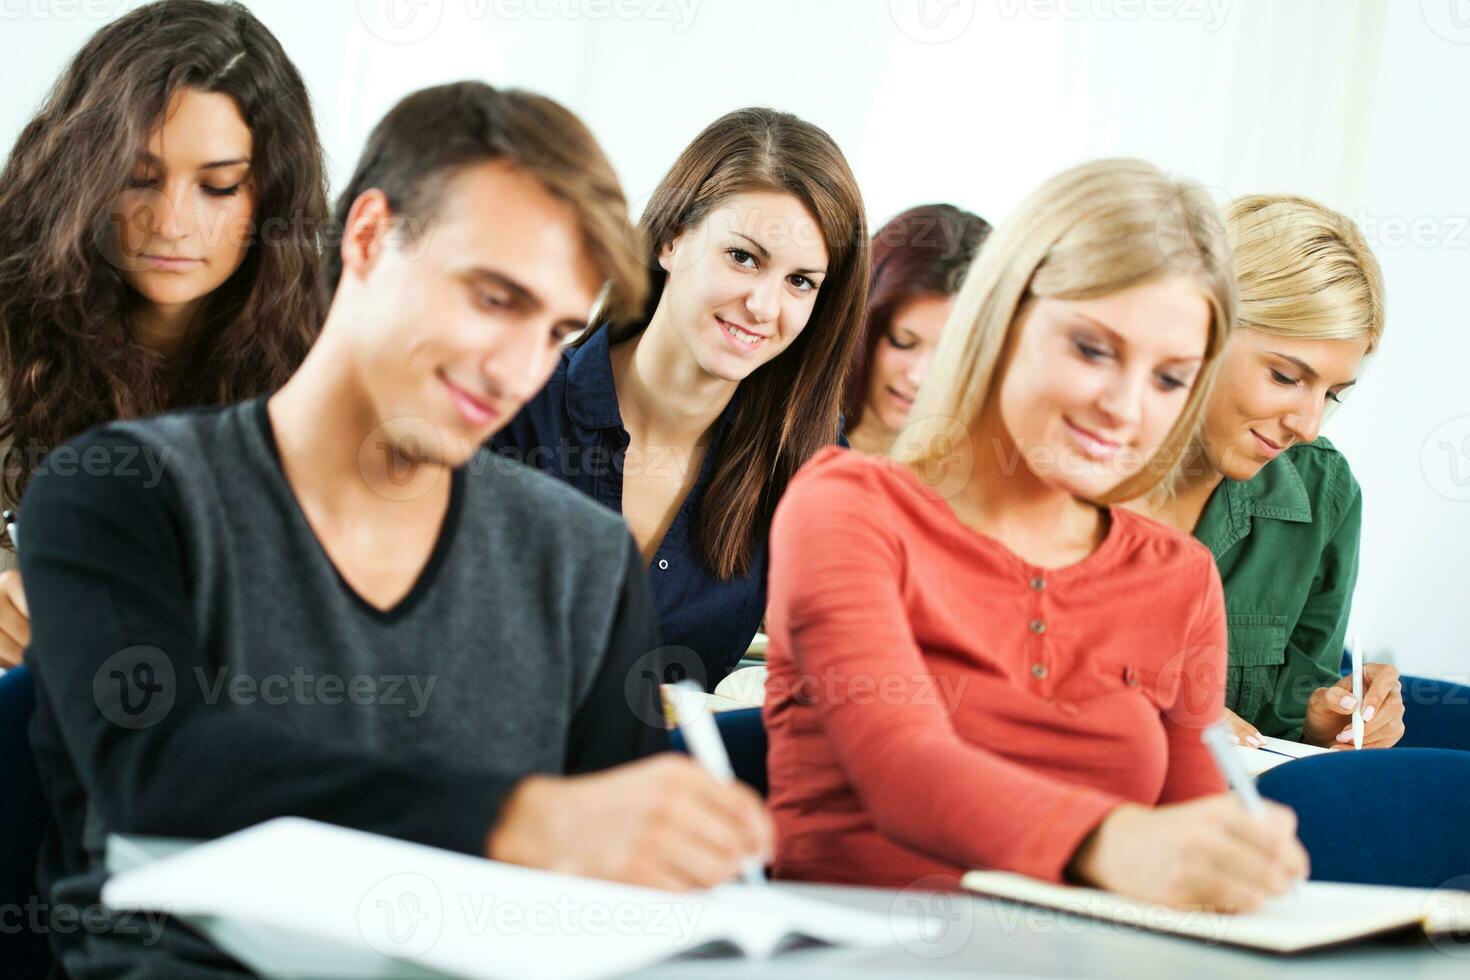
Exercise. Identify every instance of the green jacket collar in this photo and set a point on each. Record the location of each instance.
(1276, 492)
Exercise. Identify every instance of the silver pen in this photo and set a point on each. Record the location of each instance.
(1217, 737)
(702, 737)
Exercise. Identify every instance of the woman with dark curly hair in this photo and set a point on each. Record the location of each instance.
(919, 259)
(159, 222)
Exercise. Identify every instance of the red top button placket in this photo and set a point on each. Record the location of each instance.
(1037, 626)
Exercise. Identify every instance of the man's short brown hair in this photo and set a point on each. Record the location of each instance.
(434, 133)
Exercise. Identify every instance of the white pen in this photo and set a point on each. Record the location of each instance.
(1355, 649)
(1217, 737)
(12, 526)
(702, 736)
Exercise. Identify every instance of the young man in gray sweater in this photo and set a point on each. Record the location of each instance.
(334, 603)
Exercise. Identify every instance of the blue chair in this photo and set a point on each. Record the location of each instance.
(1380, 818)
(1436, 715)
(23, 817)
(744, 735)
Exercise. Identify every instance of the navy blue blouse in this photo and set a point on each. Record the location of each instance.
(573, 430)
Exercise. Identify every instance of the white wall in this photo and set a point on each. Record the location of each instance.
(1359, 104)
(1407, 431)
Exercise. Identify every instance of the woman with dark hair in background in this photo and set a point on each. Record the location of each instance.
(691, 420)
(919, 259)
(159, 222)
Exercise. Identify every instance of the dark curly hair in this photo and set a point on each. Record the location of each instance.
(70, 360)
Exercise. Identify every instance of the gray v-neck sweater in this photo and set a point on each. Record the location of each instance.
(201, 665)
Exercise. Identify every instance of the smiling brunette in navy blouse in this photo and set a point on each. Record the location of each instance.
(692, 420)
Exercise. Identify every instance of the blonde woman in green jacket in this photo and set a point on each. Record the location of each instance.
(1277, 505)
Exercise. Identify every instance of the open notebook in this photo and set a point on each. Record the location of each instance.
(1317, 914)
(742, 689)
(293, 897)
(757, 648)
(1276, 751)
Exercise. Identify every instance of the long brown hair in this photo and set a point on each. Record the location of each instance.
(924, 251)
(69, 360)
(790, 406)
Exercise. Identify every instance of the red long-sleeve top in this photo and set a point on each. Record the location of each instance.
(935, 703)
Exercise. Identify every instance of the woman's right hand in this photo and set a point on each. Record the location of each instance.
(1207, 853)
(662, 822)
(15, 619)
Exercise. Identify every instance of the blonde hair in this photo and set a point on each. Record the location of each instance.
(1304, 271)
(1090, 231)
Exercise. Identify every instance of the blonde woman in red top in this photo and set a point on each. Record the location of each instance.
(976, 660)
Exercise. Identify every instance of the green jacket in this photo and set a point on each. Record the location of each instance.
(1286, 542)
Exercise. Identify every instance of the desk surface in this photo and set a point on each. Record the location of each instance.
(974, 936)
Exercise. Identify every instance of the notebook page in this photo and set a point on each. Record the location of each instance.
(459, 915)
(1277, 751)
(1318, 914)
(746, 685)
(768, 919)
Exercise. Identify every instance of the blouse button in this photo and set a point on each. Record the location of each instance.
(1038, 583)
(1038, 627)
(663, 563)
(1038, 671)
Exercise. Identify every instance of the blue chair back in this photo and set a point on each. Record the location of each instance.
(1380, 818)
(1436, 714)
(744, 735)
(23, 817)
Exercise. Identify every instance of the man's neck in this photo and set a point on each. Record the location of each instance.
(663, 393)
(333, 447)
